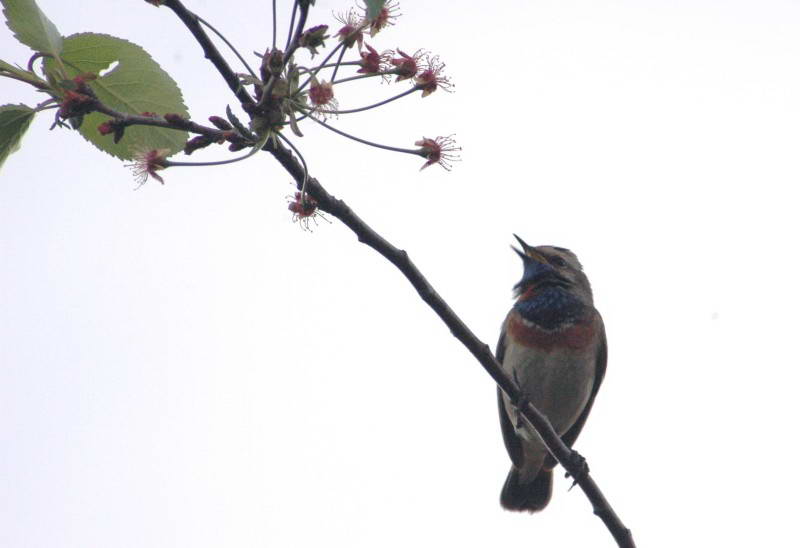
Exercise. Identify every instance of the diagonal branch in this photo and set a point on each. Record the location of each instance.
(568, 458)
(212, 53)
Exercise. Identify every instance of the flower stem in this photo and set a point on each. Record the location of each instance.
(415, 152)
(256, 148)
(336, 68)
(362, 76)
(291, 47)
(298, 32)
(389, 100)
(302, 160)
(274, 23)
(329, 65)
(291, 26)
(227, 43)
(324, 63)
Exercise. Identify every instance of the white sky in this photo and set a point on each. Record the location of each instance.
(182, 366)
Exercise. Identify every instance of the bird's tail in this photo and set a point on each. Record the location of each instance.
(527, 495)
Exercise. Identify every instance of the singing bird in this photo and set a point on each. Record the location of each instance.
(553, 344)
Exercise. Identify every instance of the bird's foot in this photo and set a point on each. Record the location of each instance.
(579, 464)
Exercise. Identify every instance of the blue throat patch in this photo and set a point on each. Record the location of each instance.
(552, 307)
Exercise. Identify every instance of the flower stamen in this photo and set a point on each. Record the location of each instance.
(441, 150)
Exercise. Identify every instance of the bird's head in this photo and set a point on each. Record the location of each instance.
(550, 266)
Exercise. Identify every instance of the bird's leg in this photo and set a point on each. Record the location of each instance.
(579, 463)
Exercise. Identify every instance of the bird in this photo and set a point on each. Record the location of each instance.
(553, 345)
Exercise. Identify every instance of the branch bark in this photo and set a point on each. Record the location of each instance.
(568, 458)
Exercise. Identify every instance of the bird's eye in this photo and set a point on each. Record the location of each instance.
(558, 261)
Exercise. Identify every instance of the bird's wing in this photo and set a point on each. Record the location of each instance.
(571, 435)
(512, 441)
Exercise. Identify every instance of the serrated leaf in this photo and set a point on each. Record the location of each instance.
(374, 8)
(135, 85)
(14, 122)
(32, 27)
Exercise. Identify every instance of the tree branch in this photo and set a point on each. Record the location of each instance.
(568, 458)
(212, 53)
(159, 121)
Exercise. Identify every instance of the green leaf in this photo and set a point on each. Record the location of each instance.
(135, 85)
(14, 122)
(32, 27)
(374, 8)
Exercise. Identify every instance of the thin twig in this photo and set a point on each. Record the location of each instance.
(158, 121)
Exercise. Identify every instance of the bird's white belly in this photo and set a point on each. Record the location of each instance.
(558, 383)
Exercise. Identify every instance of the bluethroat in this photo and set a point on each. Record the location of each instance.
(553, 344)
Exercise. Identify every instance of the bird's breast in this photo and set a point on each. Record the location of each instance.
(555, 368)
(576, 336)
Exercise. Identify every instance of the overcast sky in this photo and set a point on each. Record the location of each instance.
(184, 366)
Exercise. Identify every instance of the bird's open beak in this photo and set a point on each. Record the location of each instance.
(528, 252)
